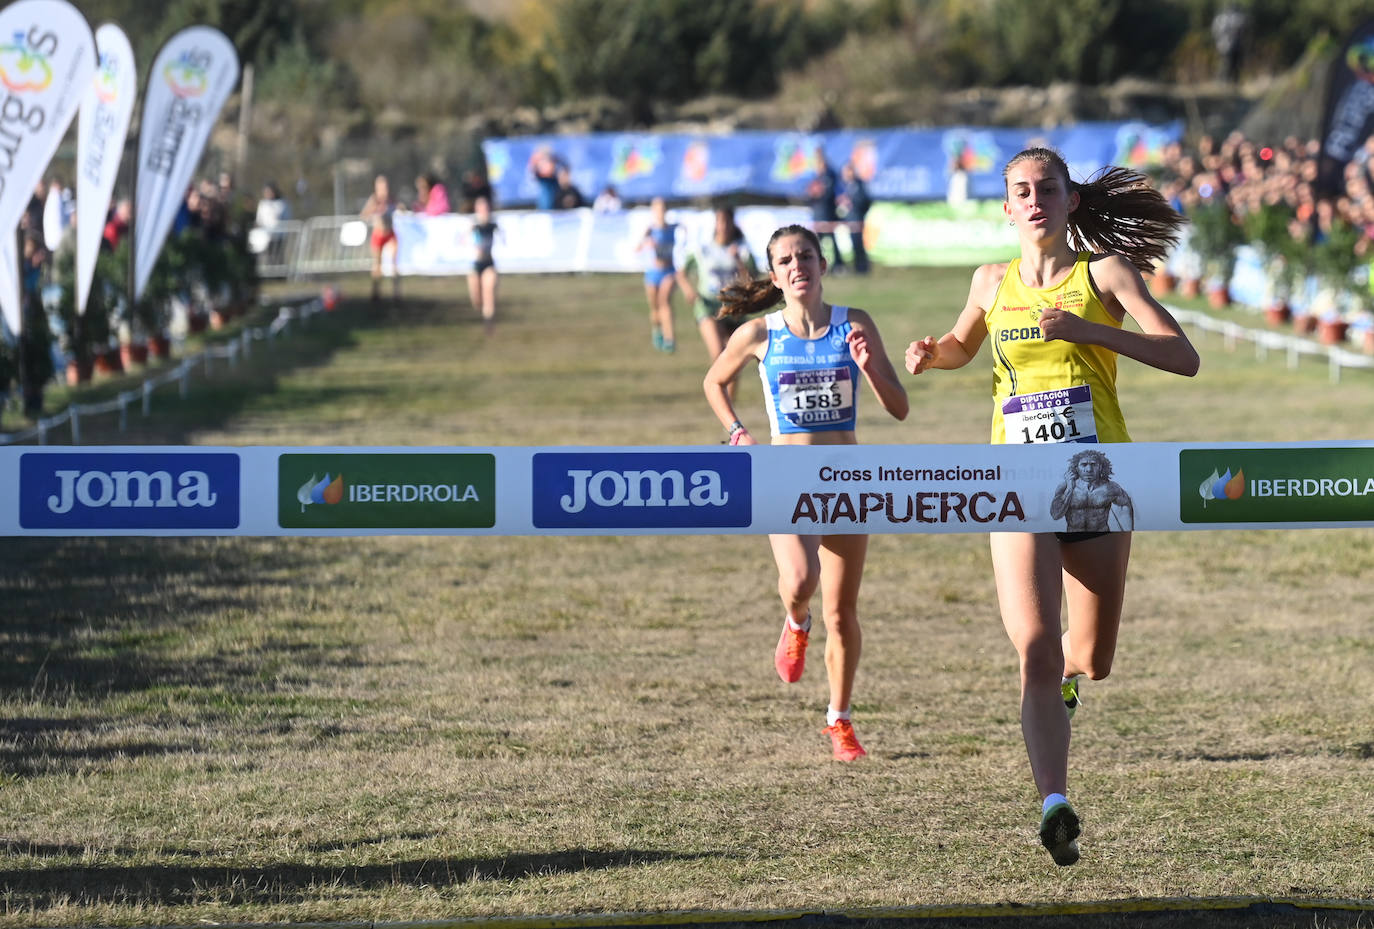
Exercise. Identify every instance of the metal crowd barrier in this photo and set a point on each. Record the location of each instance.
(327, 245)
(321, 245)
(275, 247)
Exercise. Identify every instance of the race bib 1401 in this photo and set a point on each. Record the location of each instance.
(1064, 415)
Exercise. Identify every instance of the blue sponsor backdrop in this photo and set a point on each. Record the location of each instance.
(106, 490)
(632, 490)
(897, 164)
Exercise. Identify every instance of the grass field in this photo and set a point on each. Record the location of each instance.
(249, 730)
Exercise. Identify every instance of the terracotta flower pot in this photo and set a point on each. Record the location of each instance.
(1218, 298)
(79, 371)
(1163, 282)
(1305, 323)
(1278, 314)
(109, 362)
(1332, 331)
(1367, 342)
(133, 353)
(1190, 287)
(159, 346)
(219, 318)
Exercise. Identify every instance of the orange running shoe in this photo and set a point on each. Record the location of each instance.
(790, 656)
(844, 741)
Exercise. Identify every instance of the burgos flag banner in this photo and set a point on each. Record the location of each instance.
(100, 132)
(189, 82)
(1349, 117)
(47, 57)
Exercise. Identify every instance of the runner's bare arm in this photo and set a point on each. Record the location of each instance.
(957, 347)
(746, 343)
(866, 348)
(1161, 342)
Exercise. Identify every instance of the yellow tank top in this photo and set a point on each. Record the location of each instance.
(1026, 364)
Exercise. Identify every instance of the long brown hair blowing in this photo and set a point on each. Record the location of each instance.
(747, 296)
(1118, 211)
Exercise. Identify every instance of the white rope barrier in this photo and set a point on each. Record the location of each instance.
(1293, 346)
(240, 346)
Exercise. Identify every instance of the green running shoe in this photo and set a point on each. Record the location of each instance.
(1059, 833)
(1071, 699)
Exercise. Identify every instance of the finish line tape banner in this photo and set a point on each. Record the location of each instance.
(315, 491)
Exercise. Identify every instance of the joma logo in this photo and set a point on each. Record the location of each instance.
(129, 490)
(97, 489)
(643, 488)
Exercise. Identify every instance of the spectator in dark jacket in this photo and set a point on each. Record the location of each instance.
(569, 197)
(852, 204)
(544, 167)
(821, 193)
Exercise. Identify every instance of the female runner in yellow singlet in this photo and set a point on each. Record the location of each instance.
(1054, 319)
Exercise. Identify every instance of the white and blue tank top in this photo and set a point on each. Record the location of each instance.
(809, 384)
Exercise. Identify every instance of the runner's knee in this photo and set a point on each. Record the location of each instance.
(797, 582)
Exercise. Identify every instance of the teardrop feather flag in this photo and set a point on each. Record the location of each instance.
(47, 57)
(191, 78)
(101, 129)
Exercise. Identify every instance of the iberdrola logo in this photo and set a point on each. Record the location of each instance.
(1226, 486)
(106, 79)
(330, 490)
(975, 152)
(1360, 59)
(696, 161)
(186, 76)
(632, 158)
(792, 159)
(23, 69)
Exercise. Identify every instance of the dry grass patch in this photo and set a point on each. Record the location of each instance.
(247, 730)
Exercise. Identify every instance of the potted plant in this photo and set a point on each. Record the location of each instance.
(78, 331)
(1216, 235)
(1267, 228)
(173, 272)
(1161, 279)
(242, 268)
(1188, 265)
(211, 259)
(1335, 261)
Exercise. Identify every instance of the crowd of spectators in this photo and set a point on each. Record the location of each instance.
(1247, 176)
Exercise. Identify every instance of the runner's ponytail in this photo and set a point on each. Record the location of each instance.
(1118, 211)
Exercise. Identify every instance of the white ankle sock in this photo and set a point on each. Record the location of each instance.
(832, 715)
(804, 627)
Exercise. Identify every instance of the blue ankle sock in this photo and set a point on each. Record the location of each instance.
(1052, 800)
